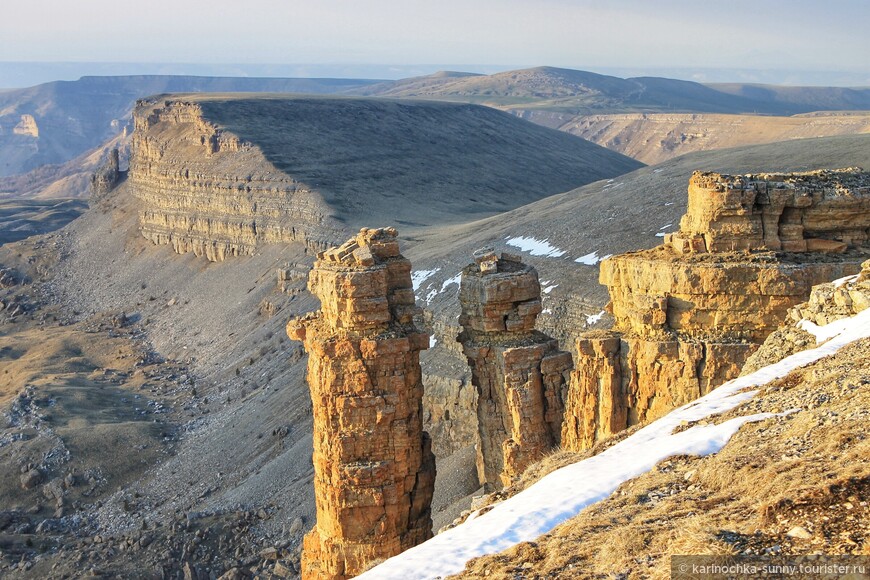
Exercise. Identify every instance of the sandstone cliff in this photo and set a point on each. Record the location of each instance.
(374, 468)
(219, 175)
(689, 313)
(520, 373)
(207, 192)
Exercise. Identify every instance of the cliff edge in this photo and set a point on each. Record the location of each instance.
(221, 174)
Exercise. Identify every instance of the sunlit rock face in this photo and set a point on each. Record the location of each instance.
(520, 373)
(689, 313)
(374, 471)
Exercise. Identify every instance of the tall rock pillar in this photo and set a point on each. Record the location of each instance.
(520, 374)
(374, 471)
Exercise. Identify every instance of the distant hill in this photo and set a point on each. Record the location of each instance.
(55, 122)
(567, 90)
(657, 137)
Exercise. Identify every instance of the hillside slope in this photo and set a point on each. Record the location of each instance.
(608, 217)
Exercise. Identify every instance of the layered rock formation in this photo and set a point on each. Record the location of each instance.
(206, 191)
(689, 313)
(520, 373)
(373, 464)
(828, 303)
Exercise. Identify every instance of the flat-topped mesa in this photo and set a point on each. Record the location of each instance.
(689, 313)
(520, 373)
(205, 190)
(817, 211)
(373, 465)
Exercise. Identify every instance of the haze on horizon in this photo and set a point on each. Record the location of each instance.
(631, 35)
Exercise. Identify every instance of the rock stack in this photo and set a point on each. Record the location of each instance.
(107, 175)
(373, 464)
(520, 373)
(689, 313)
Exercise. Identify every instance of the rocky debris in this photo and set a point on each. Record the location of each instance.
(688, 314)
(827, 303)
(374, 468)
(520, 374)
(291, 278)
(107, 175)
(8, 278)
(818, 211)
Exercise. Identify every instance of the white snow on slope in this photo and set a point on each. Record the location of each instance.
(535, 247)
(593, 318)
(454, 280)
(589, 259)
(421, 276)
(563, 493)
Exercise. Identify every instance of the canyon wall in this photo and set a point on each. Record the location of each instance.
(374, 470)
(519, 373)
(689, 313)
(206, 191)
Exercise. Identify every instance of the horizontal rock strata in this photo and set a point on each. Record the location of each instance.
(520, 373)
(689, 313)
(206, 191)
(374, 470)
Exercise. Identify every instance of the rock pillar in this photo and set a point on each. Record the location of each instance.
(520, 374)
(374, 470)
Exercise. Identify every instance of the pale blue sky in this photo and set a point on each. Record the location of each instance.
(783, 34)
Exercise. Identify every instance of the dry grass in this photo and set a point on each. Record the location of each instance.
(810, 468)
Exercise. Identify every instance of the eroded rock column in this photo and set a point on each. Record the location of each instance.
(374, 470)
(520, 374)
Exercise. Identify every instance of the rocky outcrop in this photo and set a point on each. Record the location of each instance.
(27, 126)
(689, 313)
(373, 464)
(520, 373)
(206, 191)
(818, 211)
(828, 303)
(107, 175)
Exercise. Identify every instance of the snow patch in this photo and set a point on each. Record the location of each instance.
(563, 493)
(432, 340)
(547, 289)
(593, 318)
(589, 259)
(420, 276)
(535, 246)
(845, 280)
